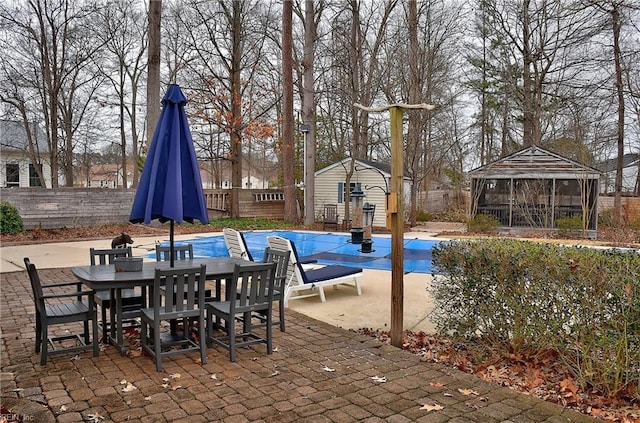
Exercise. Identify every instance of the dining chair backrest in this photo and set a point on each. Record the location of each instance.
(106, 255)
(330, 216)
(36, 285)
(180, 252)
(185, 283)
(281, 259)
(252, 287)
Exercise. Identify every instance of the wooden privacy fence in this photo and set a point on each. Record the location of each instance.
(86, 207)
(83, 207)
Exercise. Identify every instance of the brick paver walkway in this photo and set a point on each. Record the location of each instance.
(293, 384)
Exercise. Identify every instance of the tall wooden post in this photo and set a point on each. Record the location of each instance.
(397, 227)
(395, 214)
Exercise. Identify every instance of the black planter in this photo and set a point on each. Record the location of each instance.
(356, 235)
(366, 246)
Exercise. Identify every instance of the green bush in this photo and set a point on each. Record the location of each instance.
(10, 220)
(583, 303)
(423, 216)
(605, 219)
(482, 223)
(569, 225)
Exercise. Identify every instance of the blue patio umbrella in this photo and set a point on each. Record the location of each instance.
(170, 187)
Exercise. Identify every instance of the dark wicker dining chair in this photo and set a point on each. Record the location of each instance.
(51, 310)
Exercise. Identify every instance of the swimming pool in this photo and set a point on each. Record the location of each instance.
(327, 249)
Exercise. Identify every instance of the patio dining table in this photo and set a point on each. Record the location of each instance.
(105, 277)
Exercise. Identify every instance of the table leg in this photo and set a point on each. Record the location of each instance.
(110, 336)
(119, 335)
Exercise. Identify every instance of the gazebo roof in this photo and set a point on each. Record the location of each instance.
(535, 163)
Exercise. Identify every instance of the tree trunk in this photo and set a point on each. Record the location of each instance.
(308, 114)
(413, 135)
(287, 113)
(236, 110)
(527, 84)
(617, 199)
(153, 68)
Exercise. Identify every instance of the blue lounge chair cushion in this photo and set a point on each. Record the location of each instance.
(328, 272)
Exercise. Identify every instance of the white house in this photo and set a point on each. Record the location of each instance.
(17, 169)
(373, 179)
(630, 166)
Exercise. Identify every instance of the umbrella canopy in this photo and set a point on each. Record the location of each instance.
(170, 187)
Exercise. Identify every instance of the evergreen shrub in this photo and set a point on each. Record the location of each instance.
(10, 219)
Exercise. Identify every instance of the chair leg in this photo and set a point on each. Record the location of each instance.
(95, 339)
(38, 333)
(231, 332)
(281, 313)
(321, 293)
(269, 332)
(103, 324)
(203, 342)
(157, 348)
(209, 328)
(44, 344)
(86, 333)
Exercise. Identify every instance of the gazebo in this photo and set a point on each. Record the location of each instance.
(533, 188)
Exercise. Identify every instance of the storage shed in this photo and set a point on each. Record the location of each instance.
(372, 178)
(534, 188)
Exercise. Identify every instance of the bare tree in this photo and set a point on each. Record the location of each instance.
(154, 19)
(225, 66)
(52, 39)
(309, 109)
(287, 111)
(124, 34)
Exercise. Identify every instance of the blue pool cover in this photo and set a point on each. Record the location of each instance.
(328, 249)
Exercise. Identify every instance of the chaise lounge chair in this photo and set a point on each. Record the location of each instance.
(236, 244)
(237, 247)
(313, 281)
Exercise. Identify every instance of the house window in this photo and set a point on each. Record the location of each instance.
(13, 174)
(34, 180)
(342, 193)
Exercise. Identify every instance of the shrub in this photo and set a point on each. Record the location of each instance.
(423, 216)
(605, 219)
(10, 220)
(569, 225)
(483, 223)
(582, 303)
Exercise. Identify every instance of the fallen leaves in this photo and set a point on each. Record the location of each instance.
(128, 386)
(434, 407)
(94, 418)
(542, 375)
(468, 392)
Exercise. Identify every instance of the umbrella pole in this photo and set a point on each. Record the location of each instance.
(171, 246)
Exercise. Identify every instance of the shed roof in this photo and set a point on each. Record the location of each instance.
(535, 163)
(383, 168)
(14, 137)
(628, 160)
